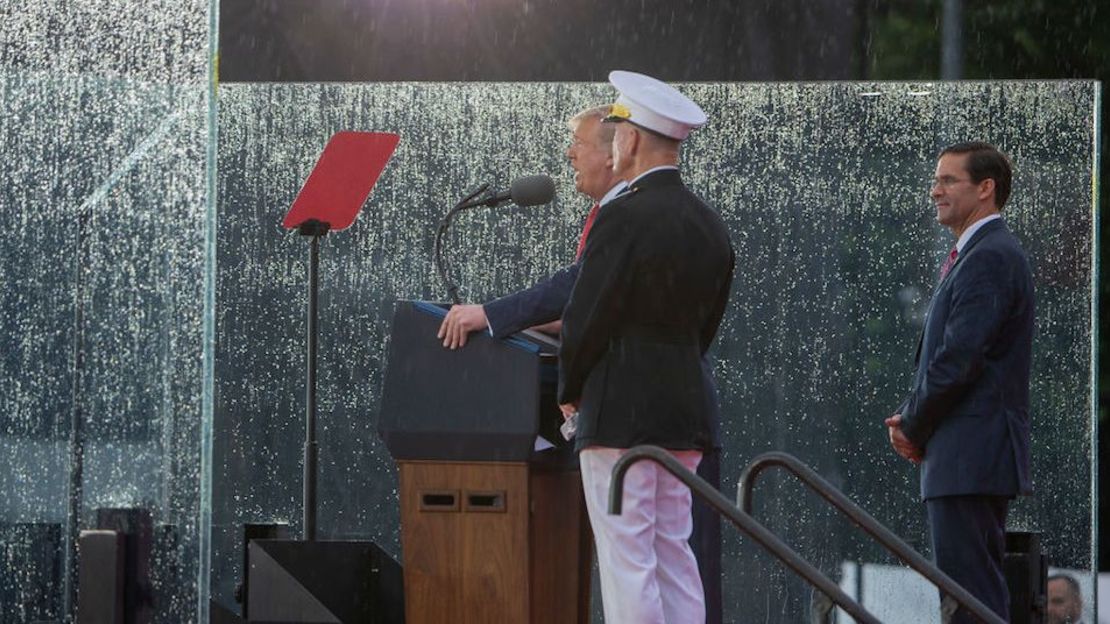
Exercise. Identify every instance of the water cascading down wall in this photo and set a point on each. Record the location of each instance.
(152, 313)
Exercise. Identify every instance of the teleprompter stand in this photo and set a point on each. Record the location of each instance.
(307, 580)
(493, 523)
(329, 201)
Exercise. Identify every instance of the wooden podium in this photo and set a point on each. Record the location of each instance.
(492, 530)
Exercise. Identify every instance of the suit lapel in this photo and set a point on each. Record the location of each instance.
(979, 235)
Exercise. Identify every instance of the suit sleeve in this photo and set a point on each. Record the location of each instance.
(542, 303)
(981, 301)
(595, 304)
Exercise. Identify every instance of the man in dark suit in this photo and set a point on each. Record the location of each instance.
(541, 306)
(651, 291)
(966, 420)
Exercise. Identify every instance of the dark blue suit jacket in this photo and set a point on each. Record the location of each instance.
(969, 408)
(537, 305)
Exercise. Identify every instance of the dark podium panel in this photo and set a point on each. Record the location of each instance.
(487, 401)
(491, 529)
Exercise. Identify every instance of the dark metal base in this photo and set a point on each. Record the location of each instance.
(323, 582)
(219, 614)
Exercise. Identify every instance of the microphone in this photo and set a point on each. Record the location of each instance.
(530, 190)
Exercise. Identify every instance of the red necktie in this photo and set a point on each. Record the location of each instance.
(586, 230)
(948, 262)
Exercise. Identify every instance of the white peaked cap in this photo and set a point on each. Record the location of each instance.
(655, 105)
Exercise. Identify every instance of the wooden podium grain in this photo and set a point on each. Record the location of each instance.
(493, 542)
(492, 531)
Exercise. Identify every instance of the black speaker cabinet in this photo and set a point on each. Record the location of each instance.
(136, 527)
(323, 583)
(101, 580)
(1026, 570)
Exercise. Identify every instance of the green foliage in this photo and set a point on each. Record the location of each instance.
(1002, 39)
(905, 41)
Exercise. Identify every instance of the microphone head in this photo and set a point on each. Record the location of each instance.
(532, 190)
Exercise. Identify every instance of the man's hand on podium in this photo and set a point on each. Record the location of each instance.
(460, 321)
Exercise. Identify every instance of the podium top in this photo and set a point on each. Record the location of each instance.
(341, 180)
(484, 402)
(532, 341)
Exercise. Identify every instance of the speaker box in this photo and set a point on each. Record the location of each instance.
(1026, 571)
(219, 614)
(255, 531)
(136, 527)
(323, 583)
(100, 582)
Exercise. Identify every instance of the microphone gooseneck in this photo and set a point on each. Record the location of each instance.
(525, 191)
(532, 190)
(441, 231)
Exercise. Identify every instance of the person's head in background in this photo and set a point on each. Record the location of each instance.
(1064, 602)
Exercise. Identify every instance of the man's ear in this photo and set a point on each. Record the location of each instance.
(634, 141)
(986, 188)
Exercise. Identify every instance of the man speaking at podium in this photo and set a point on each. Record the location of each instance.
(542, 304)
(541, 307)
(652, 287)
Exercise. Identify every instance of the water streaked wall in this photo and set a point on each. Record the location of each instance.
(103, 311)
(103, 200)
(824, 187)
(825, 190)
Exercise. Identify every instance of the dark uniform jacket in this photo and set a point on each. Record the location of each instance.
(652, 287)
(969, 408)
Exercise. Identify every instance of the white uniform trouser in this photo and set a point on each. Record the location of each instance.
(648, 572)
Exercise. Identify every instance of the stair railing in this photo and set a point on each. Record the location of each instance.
(744, 521)
(955, 595)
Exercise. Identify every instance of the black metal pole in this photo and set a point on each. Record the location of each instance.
(315, 229)
(952, 41)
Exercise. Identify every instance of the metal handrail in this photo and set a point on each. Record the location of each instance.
(952, 590)
(749, 525)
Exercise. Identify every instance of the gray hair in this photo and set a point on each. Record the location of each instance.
(605, 131)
